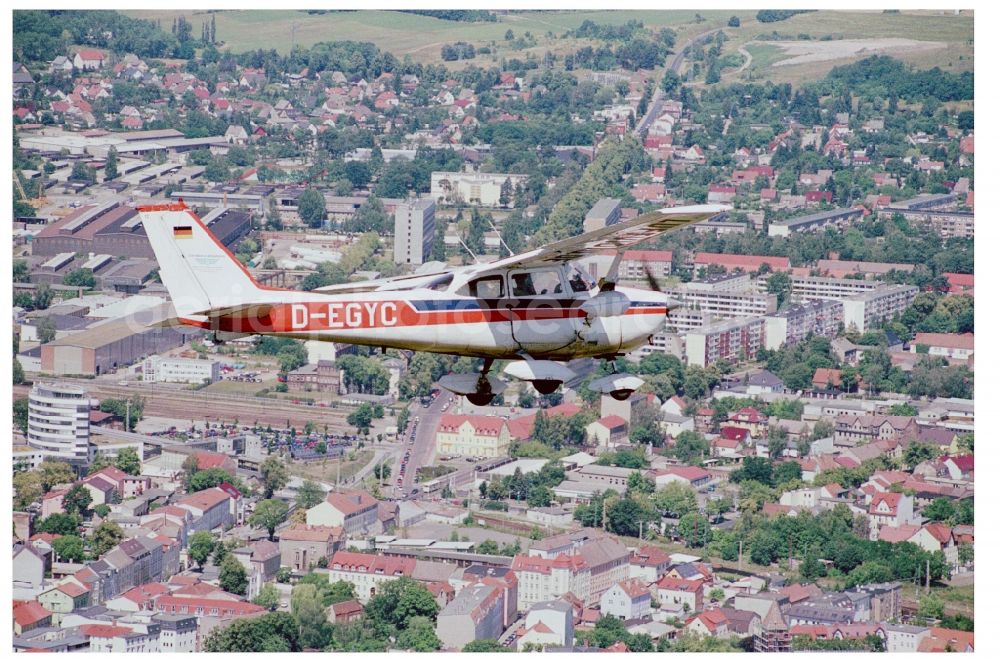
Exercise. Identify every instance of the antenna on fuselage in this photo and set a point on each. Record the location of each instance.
(502, 242)
(475, 259)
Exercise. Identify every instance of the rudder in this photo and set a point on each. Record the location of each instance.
(199, 272)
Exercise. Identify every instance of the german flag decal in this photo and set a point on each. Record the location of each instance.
(183, 232)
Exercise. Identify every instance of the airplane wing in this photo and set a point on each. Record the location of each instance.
(614, 238)
(401, 282)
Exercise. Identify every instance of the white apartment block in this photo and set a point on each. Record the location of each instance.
(179, 370)
(414, 237)
(719, 304)
(810, 287)
(471, 187)
(731, 340)
(869, 309)
(59, 421)
(799, 321)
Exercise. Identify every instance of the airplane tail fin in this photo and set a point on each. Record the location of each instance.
(200, 273)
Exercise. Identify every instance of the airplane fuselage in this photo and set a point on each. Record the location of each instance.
(550, 328)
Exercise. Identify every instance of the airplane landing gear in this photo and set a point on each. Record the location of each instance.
(547, 386)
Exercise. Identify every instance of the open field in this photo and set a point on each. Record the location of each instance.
(421, 37)
(327, 471)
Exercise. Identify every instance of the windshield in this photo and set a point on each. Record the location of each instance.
(578, 279)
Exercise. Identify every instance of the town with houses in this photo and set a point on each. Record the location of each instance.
(796, 473)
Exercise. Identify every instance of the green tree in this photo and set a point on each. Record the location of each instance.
(77, 500)
(399, 600)
(111, 164)
(70, 548)
(419, 636)
(274, 475)
(918, 452)
(309, 494)
(21, 414)
(271, 632)
(128, 461)
(80, 277)
(232, 575)
(485, 645)
(46, 329)
(269, 514)
(626, 515)
(106, 536)
(200, 547)
(734, 22)
(59, 523)
(694, 529)
(310, 614)
(675, 499)
(43, 297)
(312, 208)
(268, 597)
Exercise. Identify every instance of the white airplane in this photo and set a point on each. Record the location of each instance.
(536, 308)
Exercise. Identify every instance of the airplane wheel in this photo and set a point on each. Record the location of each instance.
(480, 399)
(546, 386)
(622, 394)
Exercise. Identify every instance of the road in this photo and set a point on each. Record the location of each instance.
(656, 102)
(422, 451)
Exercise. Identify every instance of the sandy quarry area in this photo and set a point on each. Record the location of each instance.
(807, 51)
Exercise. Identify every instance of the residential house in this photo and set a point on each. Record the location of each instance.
(30, 615)
(467, 435)
(627, 600)
(547, 623)
(303, 546)
(696, 477)
(476, 613)
(65, 598)
(608, 432)
(355, 510)
(892, 509)
(210, 508)
(678, 595)
(367, 572)
(346, 612)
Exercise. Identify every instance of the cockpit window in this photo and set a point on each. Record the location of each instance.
(487, 287)
(536, 283)
(578, 280)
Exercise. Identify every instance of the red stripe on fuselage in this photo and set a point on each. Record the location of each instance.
(354, 315)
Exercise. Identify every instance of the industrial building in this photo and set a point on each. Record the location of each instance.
(108, 346)
(414, 235)
(179, 370)
(115, 229)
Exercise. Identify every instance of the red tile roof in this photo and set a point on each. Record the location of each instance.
(891, 501)
(104, 630)
(27, 613)
(950, 340)
(679, 584)
(351, 503)
(747, 262)
(389, 565)
(489, 426)
(311, 533)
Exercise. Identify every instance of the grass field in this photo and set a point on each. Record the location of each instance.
(328, 471)
(421, 37)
